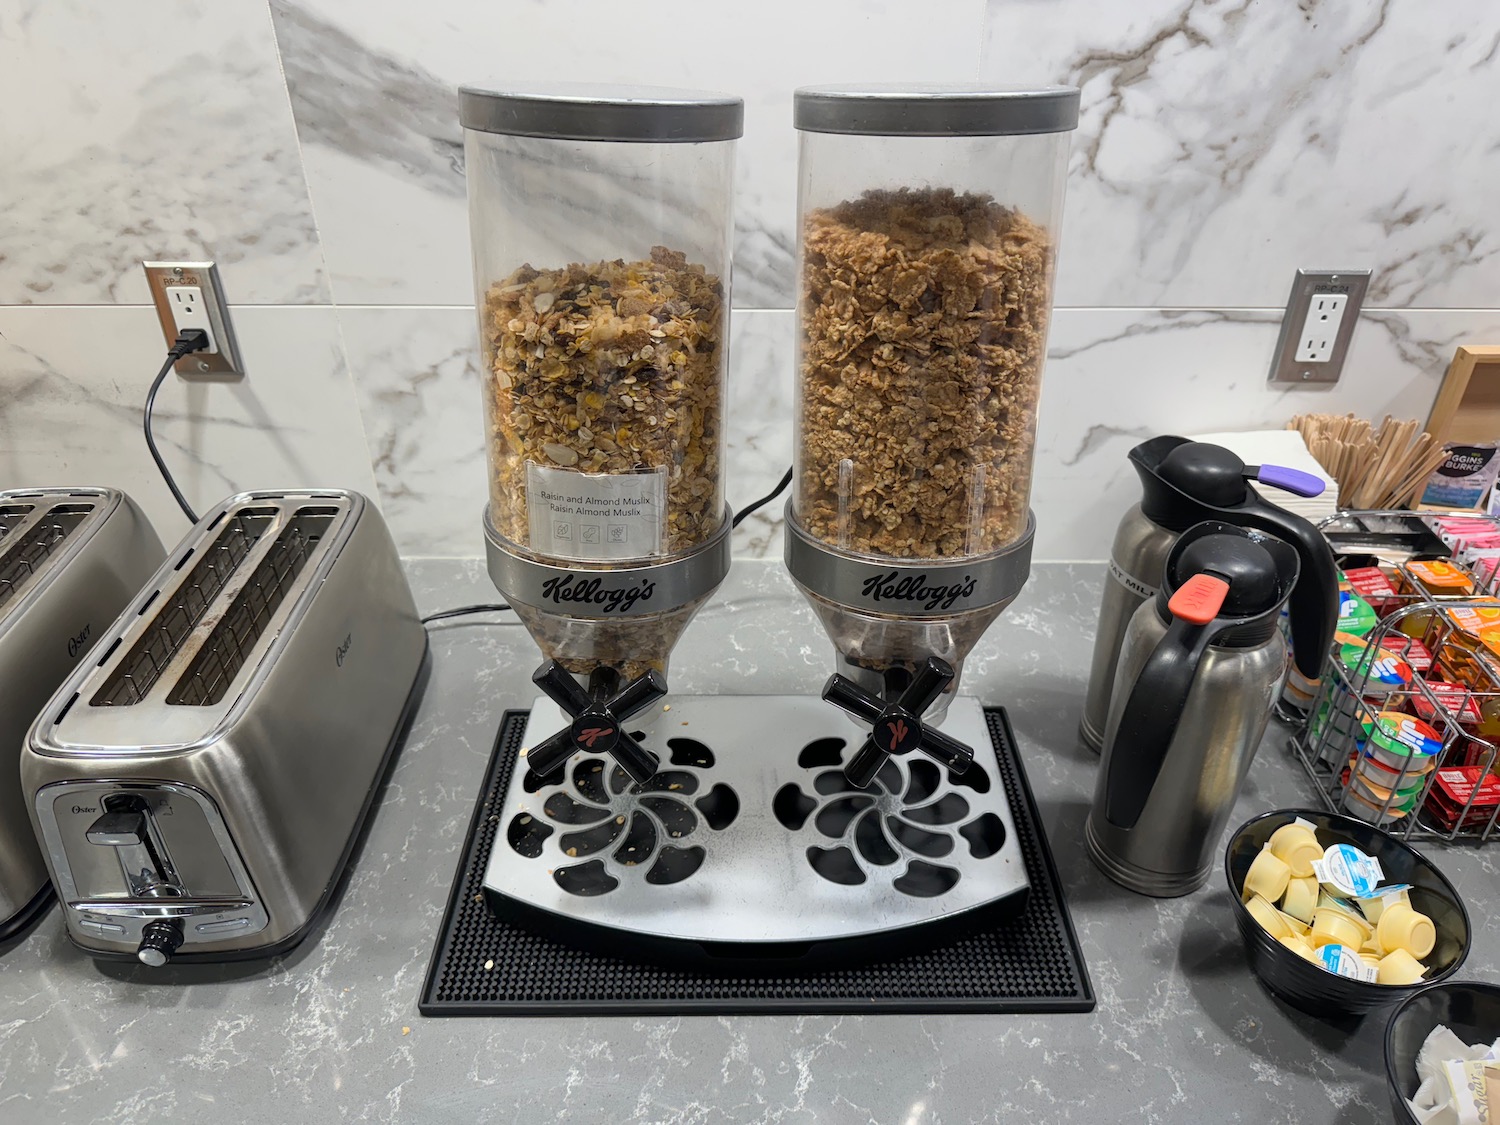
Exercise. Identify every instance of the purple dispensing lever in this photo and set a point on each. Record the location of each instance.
(1286, 479)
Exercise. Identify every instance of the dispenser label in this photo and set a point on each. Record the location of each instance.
(594, 517)
(1135, 586)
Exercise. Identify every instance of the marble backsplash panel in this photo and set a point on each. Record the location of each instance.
(149, 129)
(1118, 376)
(74, 381)
(1267, 135)
(372, 87)
(403, 422)
(1222, 145)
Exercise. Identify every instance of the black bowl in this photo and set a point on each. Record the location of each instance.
(1309, 987)
(1467, 1008)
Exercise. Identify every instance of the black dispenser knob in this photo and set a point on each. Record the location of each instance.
(598, 723)
(896, 728)
(159, 940)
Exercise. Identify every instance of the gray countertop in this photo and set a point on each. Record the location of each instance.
(331, 1032)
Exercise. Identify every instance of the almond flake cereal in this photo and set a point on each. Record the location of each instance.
(924, 317)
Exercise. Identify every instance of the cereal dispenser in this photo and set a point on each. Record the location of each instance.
(928, 224)
(772, 833)
(601, 221)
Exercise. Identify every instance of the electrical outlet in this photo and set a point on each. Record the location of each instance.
(190, 311)
(1316, 328)
(1321, 328)
(190, 295)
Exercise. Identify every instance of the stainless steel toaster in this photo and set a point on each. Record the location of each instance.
(200, 784)
(70, 560)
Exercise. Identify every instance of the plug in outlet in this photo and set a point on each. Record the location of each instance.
(1321, 328)
(190, 311)
(190, 295)
(1320, 318)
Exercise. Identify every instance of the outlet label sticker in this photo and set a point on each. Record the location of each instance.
(596, 517)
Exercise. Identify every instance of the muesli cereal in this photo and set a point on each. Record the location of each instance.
(924, 323)
(610, 367)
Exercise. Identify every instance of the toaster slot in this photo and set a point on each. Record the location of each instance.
(174, 621)
(227, 648)
(12, 516)
(27, 542)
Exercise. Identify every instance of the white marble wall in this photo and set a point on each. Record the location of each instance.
(312, 148)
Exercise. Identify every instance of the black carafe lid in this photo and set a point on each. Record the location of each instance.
(1186, 482)
(1259, 569)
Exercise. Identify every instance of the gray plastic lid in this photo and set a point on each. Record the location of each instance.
(882, 109)
(597, 112)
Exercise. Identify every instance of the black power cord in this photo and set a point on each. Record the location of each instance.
(739, 517)
(188, 341)
(464, 610)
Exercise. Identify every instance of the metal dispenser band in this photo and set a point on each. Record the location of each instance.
(908, 587)
(607, 591)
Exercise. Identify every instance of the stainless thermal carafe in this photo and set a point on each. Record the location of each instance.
(1201, 666)
(1184, 482)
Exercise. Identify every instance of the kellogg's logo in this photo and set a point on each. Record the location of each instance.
(892, 587)
(569, 588)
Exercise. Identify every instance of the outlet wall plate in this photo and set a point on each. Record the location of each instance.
(223, 364)
(1300, 319)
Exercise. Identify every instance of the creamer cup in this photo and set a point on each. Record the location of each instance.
(1374, 904)
(1345, 962)
(1271, 920)
(1297, 846)
(1347, 872)
(1301, 898)
(1335, 927)
(1401, 927)
(1399, 967)
(1300, 947)
(1267, 877)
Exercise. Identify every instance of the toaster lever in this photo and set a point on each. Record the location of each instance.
(118, 830)
(127, 826)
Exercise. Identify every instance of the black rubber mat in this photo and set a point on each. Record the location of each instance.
(485, 966)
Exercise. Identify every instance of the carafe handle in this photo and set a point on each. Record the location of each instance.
(1158, 696)
(1314, 604)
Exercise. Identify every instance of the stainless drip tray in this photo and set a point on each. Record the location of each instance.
(495, 956)
(750, 834)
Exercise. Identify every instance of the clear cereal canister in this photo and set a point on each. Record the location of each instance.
(927, 236)
(602, 220)
(928, 223)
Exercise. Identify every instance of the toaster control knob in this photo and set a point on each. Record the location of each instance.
(159, 940)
